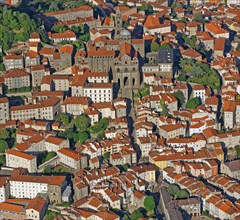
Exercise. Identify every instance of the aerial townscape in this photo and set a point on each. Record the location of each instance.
(119, 109)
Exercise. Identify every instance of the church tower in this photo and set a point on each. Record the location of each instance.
(118, 24)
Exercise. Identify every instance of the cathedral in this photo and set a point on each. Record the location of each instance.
(126, 67)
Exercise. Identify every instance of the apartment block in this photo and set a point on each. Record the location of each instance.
(46, 109)
(38, 72)
(4, 110)
(72, 158)
(13, 62)
(17, 78)
(19, 159)
(4, 188)
(27, 186)
(99, 92)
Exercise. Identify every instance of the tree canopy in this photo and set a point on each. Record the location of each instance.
(136, 215)
(149, 203)
(14, 26)
(47, 6)
(193, 103)
(173, 189)
(3, 146)
(154, 46)
(82, 122)
(4, 134)
(180, 97)
(200, 73)
(182, 194)
(164, 47)
(237, 149)
(64, 118)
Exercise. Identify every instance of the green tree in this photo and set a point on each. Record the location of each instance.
(164, 46)
(2, 160)
(154, 46)
(136, 215)
(180, 97)
(237, 149)
(85, 37)
(100, 136)
(76, 29)
(4, 134)
(199, 18)
(238, 46)
(146, 7)
(149, 203)
(173, 189)
(68, 133)
(182, 194)
(3, 146)
(82, 122)
(58, 29)
(83, 136)
(193, 103)
(51, 215)
(106, 155)
(49, 156)
(64, 118)
(47, 170)
(164, 108)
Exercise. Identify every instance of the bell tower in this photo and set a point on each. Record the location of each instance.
(118, 24)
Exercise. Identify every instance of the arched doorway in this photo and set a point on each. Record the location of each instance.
(119, 83)
(125, 81)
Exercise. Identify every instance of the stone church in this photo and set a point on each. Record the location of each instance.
(126, 74)
(120, 57)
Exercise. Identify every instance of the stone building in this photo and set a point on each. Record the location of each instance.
(38, 72)
(81, 190)
(160, 63)
(100, 60)
(126, 70)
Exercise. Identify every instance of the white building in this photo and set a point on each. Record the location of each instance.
(4, 188)
(199, 91)
(19, 159)
(99, 92)
(4, 110)
(72, 158)
(53, 144)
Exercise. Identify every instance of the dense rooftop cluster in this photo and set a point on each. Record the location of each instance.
(119, 110)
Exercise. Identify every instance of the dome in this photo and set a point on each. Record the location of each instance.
(125, 32)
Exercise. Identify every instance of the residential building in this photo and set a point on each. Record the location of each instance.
(72, 159)
(71, 14)
(17, 78)
(231, 168)
(27, 186)
(75, 105)
(4, 188)
(4, 110)
(13, 62)
(38, 72)
(54, 144)
(19, 159)
(46, 109)
(99, 92)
